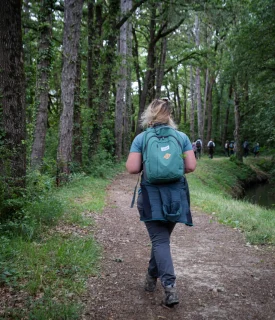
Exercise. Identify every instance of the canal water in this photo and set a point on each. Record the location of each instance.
(261, 194)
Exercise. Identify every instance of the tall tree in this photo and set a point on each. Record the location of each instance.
(94, 76)
(161, 66)
(121, 93)
(42, 87)
(72, 21)
(107, 64)
(12, 95)
(156, 33)
(237, 133)
(198, 84)
(128, 110)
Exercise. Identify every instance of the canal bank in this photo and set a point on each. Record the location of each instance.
(217, 187)
(261, 191)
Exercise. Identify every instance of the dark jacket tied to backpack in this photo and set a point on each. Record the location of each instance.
(165, 202)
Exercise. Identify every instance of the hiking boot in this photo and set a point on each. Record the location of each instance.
(171, 297)
(150, 283)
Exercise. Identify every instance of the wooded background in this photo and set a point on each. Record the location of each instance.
(76, 75)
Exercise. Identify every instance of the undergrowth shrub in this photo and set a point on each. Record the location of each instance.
(38, 184)
(102, 165)
(37, 208)
(33, 218)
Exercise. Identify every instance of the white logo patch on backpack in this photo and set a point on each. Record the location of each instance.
(165, 148)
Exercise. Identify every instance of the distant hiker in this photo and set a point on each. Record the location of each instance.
(162, 205)
(245, 148)
(256, 150)
(231, 147)
(194, 149)
(198, 146)
(211, 147)
(226, 148)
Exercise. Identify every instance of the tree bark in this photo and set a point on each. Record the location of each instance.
(192, 107)
(12, 97)
(128, 111)
(147, 93)
(206, 95)
(226, 120)
(237, 133)
(185, 96)
(121, 92)
(209, 109)
(160, 68)
(106, 73)
(72, 21)
(42, 87)
(77, 141)
(178, 99)
(95, 22)
(136, 64)
(198, 86)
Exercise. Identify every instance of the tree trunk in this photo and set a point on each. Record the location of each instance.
(209, 110)
(237, 133)
(206, 91)
(160, 69)
(226, 120)
(106, 73)
(90, 71)
(136, 63)
(72, 21)
(177, 95)
(95, 22)
(12, 97)
(121, 93)
(198, 85)
(192, 107)
(128, 111)
(185, 97)
(148, 86)
(77, 142)
(42, 87)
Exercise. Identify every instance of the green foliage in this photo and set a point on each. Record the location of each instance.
(52, 265)
(103, 165)
(250, 63)
(36, 209)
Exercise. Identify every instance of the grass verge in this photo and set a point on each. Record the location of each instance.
(45, 264)
(212, 186)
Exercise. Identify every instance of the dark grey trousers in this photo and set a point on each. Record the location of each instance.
(161, 264)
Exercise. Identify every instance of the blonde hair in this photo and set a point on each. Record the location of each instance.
(158, 111)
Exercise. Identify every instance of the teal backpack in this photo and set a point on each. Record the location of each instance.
(162, 155)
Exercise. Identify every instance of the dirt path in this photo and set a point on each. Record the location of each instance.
(219, 276)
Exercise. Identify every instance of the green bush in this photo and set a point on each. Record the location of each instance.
(102, 165)
(33, 218)
(38, 184)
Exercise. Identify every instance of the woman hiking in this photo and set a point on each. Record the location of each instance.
(163, 204)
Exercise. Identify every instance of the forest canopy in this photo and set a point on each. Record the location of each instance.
(76, 75)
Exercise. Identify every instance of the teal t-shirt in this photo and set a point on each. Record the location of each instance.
(138, 141)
